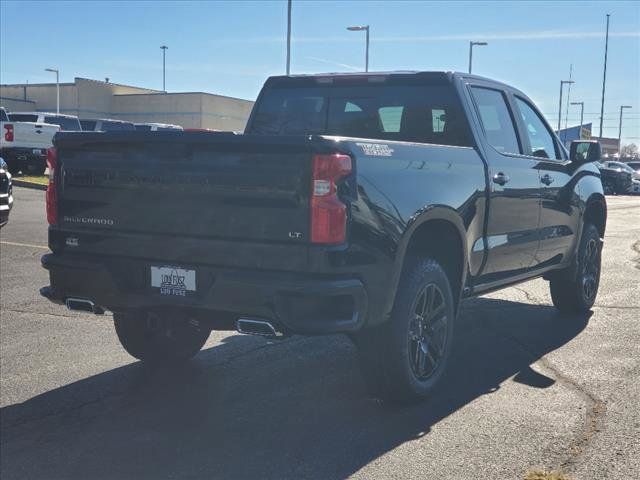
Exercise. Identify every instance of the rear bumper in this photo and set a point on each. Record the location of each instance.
(296, 303)
(23, 157)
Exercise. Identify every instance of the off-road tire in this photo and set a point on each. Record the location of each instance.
(387, 353)
(574, 290)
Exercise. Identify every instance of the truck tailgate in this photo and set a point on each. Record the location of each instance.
(166, 185)
(33, 135)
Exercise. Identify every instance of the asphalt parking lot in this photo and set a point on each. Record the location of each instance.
(528, 389)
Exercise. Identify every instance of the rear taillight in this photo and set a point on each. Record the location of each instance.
(8, 133)
(328, 213)
(52, 194)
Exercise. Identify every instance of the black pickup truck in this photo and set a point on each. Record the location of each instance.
(365, 204)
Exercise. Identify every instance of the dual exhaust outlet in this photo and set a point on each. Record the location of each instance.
(83, 305)
(262, 328)
(247, 326)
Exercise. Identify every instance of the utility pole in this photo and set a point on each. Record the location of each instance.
(288, 37)
(620, 128)
(164, 51)
(562, 83)
(471, 45)
(604, 77)
(581, 116)
(566, 115)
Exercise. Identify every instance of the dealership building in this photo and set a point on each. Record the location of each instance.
(88, 98)
(609, 146)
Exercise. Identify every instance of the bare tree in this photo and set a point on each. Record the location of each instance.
(629, 150)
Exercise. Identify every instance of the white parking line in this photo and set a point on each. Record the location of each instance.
(28, 245)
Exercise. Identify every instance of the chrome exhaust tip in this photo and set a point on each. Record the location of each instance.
(257, 327)
(83, 305)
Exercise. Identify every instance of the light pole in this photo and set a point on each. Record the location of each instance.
(57, 87)
(288, 37)
(366, 55)
(562, 83)
(471, 45)
(604, 75)
(581, 115)
(164, 52)
(620, 127)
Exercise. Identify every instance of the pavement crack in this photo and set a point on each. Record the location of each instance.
(636, 248)
(13, 310)
(531, 298)
(595, 411)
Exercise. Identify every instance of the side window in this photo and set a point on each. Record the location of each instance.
(540, 138)
(438, 119)
(390, 118)
(496, 120)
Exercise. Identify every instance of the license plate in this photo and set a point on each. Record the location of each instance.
(37, 151)
(173, 280)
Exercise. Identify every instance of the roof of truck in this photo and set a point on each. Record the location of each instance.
(441, 74)
(53, 114)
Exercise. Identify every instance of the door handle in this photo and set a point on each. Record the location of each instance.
(500, 178)
(547, 179)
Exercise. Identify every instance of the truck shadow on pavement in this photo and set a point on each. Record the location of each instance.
(251, 409)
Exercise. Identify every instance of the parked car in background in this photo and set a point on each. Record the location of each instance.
(24, 144)
(615, 181)
(156, 127)
(635, 166)
(6, 193)
(622, 166)
(67, 123)
(105, 125)
(364, 204)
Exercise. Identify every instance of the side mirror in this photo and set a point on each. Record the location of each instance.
(585, 151)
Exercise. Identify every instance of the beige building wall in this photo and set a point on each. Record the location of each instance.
(96, 99)
(17, 105)
(182, 109)
(190, 110)
(225, 113)
(44, 96)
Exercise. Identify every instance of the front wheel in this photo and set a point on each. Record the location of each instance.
(575, 290)
(405, 358)
(166, 337)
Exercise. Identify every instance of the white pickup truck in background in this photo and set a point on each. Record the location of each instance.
(23, 145)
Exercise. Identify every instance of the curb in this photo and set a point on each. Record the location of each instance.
(20, 183)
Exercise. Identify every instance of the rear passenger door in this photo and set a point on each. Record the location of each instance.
(559, 212)
(514, 204)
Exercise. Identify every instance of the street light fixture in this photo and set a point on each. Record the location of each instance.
(562, 84)
(57, 87)
(620, 128)
(581, 115)
(471, 45)
(359, 28)
(164, 52)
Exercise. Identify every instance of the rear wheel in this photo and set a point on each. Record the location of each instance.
(575, 290)
(405, 358)
(37, 169)
(159, 337)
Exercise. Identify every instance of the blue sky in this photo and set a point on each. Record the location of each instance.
(229, 48)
